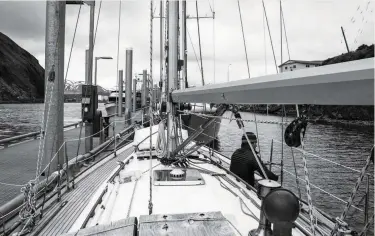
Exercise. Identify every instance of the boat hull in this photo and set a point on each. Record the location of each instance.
(111, 109)
(195, 121)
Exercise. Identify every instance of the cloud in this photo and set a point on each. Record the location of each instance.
(313, 32)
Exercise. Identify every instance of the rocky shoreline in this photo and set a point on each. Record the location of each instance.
(335, 115)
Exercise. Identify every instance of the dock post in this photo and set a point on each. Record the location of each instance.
(53, 124)
(134, 95)
(120, 89)
(144, 89)
(155, 95)
(87, 66)
(128, 84)
(89, 129)
(90, 57)
(101, 131)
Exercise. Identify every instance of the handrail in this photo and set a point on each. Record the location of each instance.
(6, 141)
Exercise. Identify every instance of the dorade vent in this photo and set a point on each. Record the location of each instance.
(177, 174)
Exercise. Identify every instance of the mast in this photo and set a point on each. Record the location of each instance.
(172, 68)
(128, 84)
(54, 84)
(120, 91)
(161, 47)
(199, 40)
(183, 45)
(134, 95)
(144, 89)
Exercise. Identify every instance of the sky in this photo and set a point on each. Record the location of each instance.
(312, 29)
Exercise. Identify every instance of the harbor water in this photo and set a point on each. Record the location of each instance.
(337, 153)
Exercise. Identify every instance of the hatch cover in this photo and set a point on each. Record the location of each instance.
(205, 223)
(178, 177)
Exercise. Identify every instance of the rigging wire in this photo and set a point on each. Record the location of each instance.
(29, 209)
(286, 37)
(281, 37)
(265, 44)
(256, 128)
(214, 37)
(282, 146)
(211, 8)
(192, 45)
(269, 32)
(71, 48)
(97, 21)
(199, 40)
(296, 174)
(150, 105)
(243, 36)
(308, 191)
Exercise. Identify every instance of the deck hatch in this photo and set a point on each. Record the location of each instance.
(205, 223)
(185, 177)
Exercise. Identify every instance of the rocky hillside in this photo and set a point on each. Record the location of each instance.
(362, 52)
(21, 76)
(75, 87)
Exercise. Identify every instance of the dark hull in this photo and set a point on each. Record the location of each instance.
(194, 122)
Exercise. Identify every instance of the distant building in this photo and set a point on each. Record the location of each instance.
(292, 65)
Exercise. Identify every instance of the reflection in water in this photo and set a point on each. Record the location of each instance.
(348, 146)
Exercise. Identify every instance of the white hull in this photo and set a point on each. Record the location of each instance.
(111, 108)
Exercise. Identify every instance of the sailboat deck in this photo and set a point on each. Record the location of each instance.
(130, 198)
(78, 198)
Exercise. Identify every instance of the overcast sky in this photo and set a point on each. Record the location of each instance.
(312, 27)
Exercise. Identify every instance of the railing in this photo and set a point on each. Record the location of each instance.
(5, 142)
(12, 207)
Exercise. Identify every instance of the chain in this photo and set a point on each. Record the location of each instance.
(236, 119)
(308, 191)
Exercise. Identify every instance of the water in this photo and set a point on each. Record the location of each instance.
(349, 146)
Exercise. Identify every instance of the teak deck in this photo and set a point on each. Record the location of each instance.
(78, 198)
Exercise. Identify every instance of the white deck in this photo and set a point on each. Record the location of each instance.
(129, 195)
(170, 199)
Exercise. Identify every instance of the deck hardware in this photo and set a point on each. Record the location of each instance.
(281, 207)
(294, 130)
(264, 188)
(92, 211)
(51, 75)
